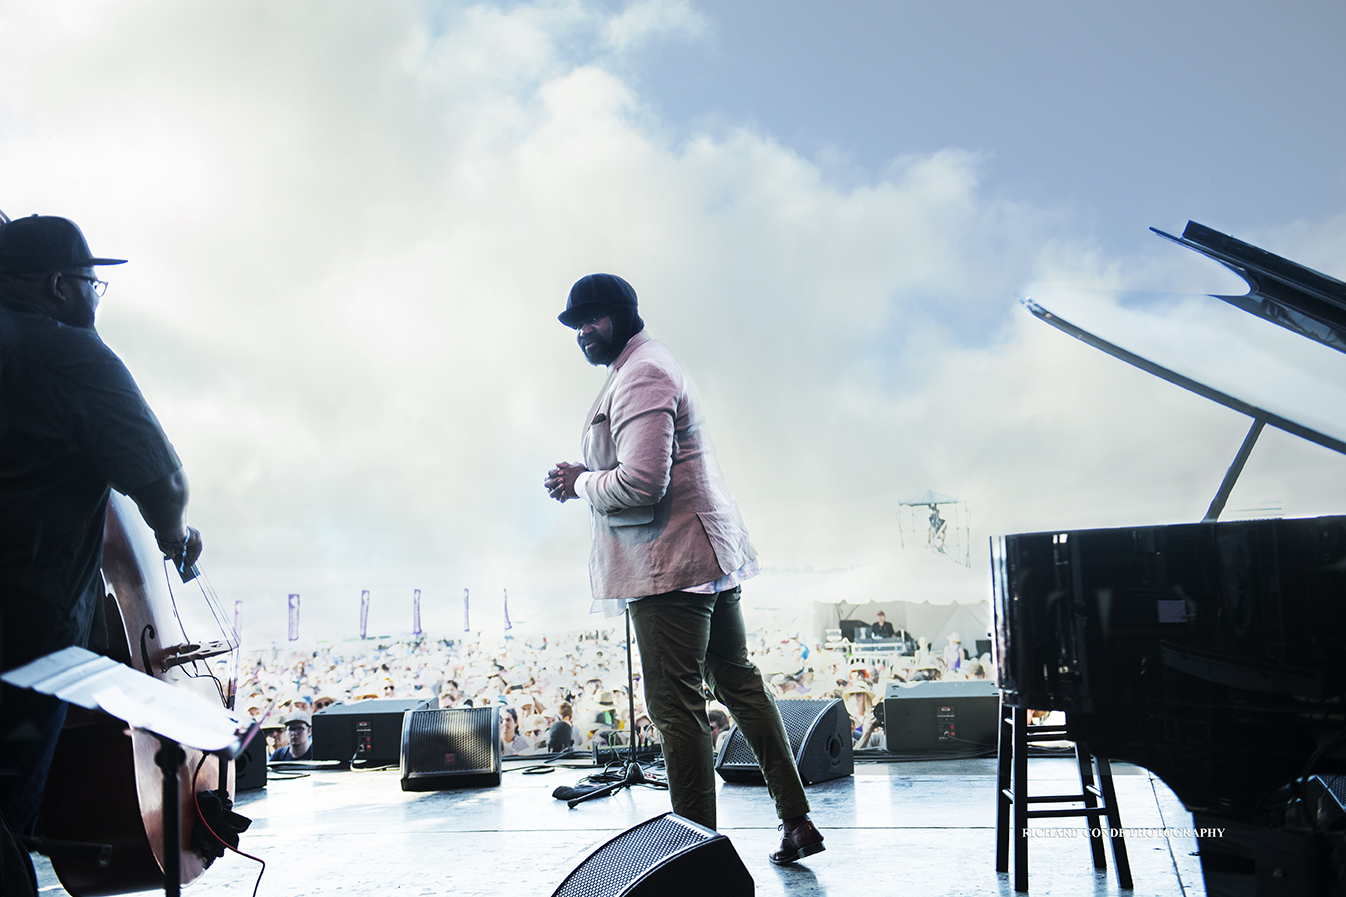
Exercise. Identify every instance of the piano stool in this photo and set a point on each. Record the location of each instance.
(1013, 800)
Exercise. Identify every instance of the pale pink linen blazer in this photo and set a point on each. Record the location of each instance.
(661, 516)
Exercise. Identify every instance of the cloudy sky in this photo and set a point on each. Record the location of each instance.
(351, 227)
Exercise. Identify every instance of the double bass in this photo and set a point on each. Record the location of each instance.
(104, 787)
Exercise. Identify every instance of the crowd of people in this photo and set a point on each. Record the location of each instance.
(562, 693)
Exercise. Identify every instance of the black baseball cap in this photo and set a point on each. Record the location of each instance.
(45, 244)
(595, 292)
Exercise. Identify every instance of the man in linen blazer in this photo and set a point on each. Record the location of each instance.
(663, 519)
(668, 539)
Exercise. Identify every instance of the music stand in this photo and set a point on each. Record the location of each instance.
(633, 774)
(174, 717)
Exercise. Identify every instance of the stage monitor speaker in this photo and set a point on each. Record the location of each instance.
(667, 856)
(820, 739)
(450, 748)
(250, 766)
(367, 731)
(955, 717)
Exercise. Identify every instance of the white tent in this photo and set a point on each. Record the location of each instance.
(919, 591)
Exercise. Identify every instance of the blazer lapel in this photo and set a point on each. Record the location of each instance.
(600, 403)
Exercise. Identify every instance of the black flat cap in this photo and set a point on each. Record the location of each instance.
(594, 292)
(44, 244)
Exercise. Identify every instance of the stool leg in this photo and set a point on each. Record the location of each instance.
(1020, 799)
(1119, 858)
(1003, 803)
(1085, 761)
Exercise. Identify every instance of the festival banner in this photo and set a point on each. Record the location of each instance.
(294, 617)
(467, 625)
(416, 613)
(238, 619)
(508, 624)
(364, 613)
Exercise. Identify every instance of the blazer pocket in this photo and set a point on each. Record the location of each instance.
(631, 516)
(598, 419)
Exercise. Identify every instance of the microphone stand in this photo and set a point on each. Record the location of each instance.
(633, 775)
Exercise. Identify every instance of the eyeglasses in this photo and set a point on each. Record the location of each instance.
(590, 319)
(99, 286)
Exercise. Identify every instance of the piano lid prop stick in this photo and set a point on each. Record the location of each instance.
(1232, 475)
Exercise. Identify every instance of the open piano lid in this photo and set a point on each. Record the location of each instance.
(1208, 653)
(1281, 291)
(1202, 343)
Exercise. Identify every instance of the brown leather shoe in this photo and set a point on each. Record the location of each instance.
(801, 841)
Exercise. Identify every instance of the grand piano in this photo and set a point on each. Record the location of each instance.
(1212, 653)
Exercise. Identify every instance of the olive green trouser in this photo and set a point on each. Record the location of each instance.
(684, 639)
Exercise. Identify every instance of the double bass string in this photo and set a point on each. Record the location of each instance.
(212, 603)
(231, 637)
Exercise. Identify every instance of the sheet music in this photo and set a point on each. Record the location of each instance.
(100, 683)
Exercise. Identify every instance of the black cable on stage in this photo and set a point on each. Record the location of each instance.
(196, 799)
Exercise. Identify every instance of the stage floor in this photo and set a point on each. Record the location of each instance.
(923, 828)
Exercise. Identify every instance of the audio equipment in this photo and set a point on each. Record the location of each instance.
(367, 731)
(250, 766)
(667, 856)
(450, 748)
(820, 739)
(955, 717)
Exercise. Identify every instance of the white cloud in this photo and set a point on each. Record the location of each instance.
(646, 21)
(351, 229)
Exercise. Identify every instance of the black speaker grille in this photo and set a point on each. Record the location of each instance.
(610, 869)
(1336, 786)
(443, 740)
(798, 716)
(738, 752)
(819, 735)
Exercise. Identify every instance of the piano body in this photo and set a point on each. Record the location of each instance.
(1211, 653)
